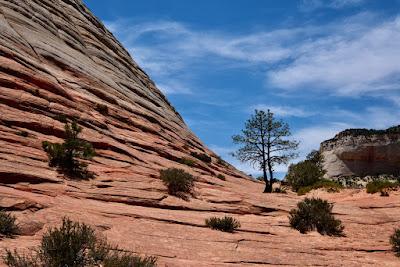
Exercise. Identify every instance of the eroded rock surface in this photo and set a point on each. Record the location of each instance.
(57, 61)
(362, 153)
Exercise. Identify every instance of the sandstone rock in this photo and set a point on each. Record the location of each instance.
(361, 153)
(58, 61)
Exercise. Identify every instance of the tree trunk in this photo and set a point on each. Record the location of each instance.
(265, 179)
(271, 177)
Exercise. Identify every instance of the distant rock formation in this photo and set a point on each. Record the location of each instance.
(362, 152)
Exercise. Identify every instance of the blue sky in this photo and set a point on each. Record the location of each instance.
(321, 66)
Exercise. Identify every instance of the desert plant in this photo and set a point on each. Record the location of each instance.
(187, 161)
(330, 186)
(201, 156)
(395, 242)
(127, 259)
(178, 182)
(379, 185)
(23, 133)
(220, 161)
(8, 226)
(65, 155)
(75, 244)
(103, 109)
(221, 177)
(315, 214)
(225, 224)
(280, 189)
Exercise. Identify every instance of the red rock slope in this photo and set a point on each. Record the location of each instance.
(58, 61)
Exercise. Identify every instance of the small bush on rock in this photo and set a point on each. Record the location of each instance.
(330, 186)
(103, 109)
(65, 156)
(201, 156)
(315, 214)
(221, 177)
(225, 224)
(395, 242)
(380, 185)
(76, 245)
(8, 227)
(188, 162)
(178, 182)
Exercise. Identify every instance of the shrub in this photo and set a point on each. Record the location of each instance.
(380, 185)
(395, 242)
(23, 133)
(201, 156)
(76, 245)
(225, 224)
(103, 109)
(331, 186)
(64, 156)
(128, 260)
(220, 161)
(188, 162)
(315, 214)
(8, 227)
(280, 189)
(178, 182)
(221, 176)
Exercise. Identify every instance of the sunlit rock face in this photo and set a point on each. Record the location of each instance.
(362, 153)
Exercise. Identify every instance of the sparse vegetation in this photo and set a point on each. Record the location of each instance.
(221, 176)
(75, 245)
(225, 224)
(8, 226)
(187, 161)
(330, 186)
(62, 118)
(220, 161)
(281, 190)
(264, 144)
(178, 182)
(201, 156)
(315, 214)
(65, 156)
(395, 242)
(103, 109)
(381, 185)
(23, 133)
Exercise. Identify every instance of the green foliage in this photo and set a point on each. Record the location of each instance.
(65, 156)
(8, 227)
(76, 245)
(307, 172)
(367, 132)
(315, 214)
(178, 182)
(187, 161)
(23, 133)
(221, 176)
(395, 242)
(128, 260)
(331, 186)
(201, 156)
(220, 161)
(225, 224)
(103, 109)
(62, 118)
(380, 185)
(281, 190)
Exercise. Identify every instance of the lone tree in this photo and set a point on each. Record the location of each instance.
(65, 156)
(264, 146)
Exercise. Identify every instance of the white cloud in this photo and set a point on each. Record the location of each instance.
(284, 111)
(311, 5)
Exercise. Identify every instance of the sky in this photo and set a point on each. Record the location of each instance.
(321, 66)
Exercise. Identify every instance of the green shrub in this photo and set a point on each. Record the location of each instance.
(103, 109)
(379, 185)
(8, 227)
(331, 186)
(65, 156)
(221, 176)
(76, 245)
(178, 182)
(23, 133)
(225, 224)
(187, 161)
(280, 190)
(220, 161)
(395, 242)
(128, 260)
(315, 214)
(201, 156)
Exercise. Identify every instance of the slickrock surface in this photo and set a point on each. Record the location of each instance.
(361, 152)
(57, 61)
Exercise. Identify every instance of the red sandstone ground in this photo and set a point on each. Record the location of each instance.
(58, 61)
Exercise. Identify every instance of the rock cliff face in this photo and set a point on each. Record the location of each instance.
(57, 62)
(361, 152)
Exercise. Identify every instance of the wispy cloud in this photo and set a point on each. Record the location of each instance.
(284, 111)
(311, 5)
